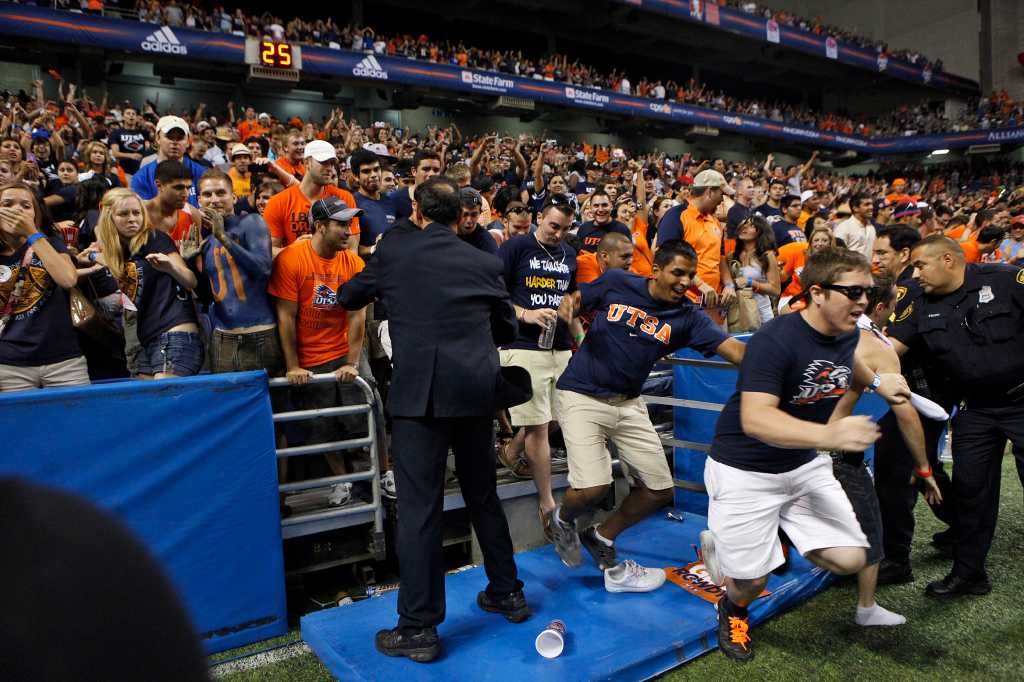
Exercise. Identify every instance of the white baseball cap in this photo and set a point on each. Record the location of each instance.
(709, 178)
(320, 150)
(264, 115)
(168, 123)
(806, 194)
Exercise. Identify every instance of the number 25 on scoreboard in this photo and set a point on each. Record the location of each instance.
(276, 54)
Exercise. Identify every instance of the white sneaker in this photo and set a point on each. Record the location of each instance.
(710, 557)
(341, 494)
(387, 484)
(629, 576)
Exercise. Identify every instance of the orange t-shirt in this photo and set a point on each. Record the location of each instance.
(792, 258)
(587, 269)
(182, 227)
(301, 276)
(704, 234)
(643, 259)
(253, 129)
(292, 169)
(287, 212)
(972, 254)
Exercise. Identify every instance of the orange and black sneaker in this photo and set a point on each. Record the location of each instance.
(734, 632)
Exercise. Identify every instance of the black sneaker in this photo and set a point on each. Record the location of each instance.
(567, 540)
(512, 606)
(894, 573)
(733, 633)
(418, 645)
(954, 586)
(604, 555)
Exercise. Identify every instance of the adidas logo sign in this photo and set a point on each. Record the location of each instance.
(164, 40)
(369, 67)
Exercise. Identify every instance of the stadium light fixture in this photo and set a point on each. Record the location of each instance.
(939, 152)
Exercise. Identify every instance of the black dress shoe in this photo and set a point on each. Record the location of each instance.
(894, 573)
(512, 606)
(955, 586)
(419, 645)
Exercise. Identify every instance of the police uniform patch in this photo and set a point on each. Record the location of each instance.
(1020, 276)
(906, 313)
(900, 293)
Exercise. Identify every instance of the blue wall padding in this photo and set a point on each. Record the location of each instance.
(189, 465)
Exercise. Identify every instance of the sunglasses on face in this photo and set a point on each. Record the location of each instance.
(852, 292)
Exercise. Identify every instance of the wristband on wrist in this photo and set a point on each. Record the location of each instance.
(875, 383)
(93, 255)
(731, 285)
(579, 338)
(33, 238)
(924, 473)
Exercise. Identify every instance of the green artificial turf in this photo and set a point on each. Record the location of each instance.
(973, 638)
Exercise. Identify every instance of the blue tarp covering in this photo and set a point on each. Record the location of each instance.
(618, 637)
(189, 465)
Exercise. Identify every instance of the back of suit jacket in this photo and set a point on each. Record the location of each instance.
(448, 309)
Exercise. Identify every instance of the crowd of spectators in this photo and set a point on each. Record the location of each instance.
(926, 118)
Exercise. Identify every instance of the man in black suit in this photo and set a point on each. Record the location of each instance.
(448, 310)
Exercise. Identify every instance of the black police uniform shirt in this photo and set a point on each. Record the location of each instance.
(787, 233)
(538, 277)
(39, 330)
(808, 371)
(736, 215)
(590, 233)
(630, 332)
(377, 218)
(976, 333)
(131, 141)
(481, 238)
(162, 303)
(923, 374)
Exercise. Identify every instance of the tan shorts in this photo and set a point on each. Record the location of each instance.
(544, 366)
(588, 423)
(73, 372)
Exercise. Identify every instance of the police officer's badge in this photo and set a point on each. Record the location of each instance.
(1020, 276)
(900, 293)
(906, 313)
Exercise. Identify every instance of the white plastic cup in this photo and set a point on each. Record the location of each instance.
(551, 641)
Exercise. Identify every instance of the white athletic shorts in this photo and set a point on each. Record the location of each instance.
(746, 509)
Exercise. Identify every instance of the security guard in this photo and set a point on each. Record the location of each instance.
(893, 462)
(970, 319)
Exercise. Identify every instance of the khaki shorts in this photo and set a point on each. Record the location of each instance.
(588, 422)
(544, 366)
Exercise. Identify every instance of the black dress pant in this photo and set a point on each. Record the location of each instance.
(419, 450)
(979, 440)
(896, 495)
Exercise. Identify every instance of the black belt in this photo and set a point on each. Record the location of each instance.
(854, 459)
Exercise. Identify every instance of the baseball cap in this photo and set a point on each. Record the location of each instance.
(1017, 220)
(321, 150)
(594, 165)
(40, 134)
(332, 208)
(264, 115)
(709, 178)
(806, 194)
(905, 210)
(201, 126)
(898, 182)
(168, 123)
(223, 133)
(379, 149)
(470, 197)
(238, 149)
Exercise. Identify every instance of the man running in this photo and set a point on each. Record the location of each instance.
(637, 322)
(763, 471)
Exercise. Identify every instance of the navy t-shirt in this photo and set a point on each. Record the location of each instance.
(787, 233)
(132, 141)
(590, 234)
(772, 215)
(39, 331)
(481, 238)
(537, 277)
(809, 372)
(670, 227)
(631, 331)
(162, 302)
(376, 219)
(399, 203)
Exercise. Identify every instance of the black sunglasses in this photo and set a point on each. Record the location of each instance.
(518, 209)
(852, 292)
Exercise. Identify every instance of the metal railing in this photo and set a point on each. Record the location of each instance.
(341, 517)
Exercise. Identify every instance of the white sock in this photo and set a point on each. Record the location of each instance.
(876, 615)
(597, 534)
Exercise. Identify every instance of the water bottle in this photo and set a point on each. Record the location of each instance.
(547, 335)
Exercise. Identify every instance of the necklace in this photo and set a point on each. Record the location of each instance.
(545, 250)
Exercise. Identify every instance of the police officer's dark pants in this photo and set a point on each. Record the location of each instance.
(419, 450)
(897, 495)
(979, 440)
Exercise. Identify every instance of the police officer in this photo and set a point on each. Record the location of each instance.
(970, 319)
(893, 463)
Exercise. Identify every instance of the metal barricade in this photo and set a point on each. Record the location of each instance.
(342, 517)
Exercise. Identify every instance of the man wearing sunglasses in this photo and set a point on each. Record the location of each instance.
(763, 470)
(970, 321)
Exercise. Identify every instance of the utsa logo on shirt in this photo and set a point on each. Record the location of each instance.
(823, 380)
(649, 324)
(324, 297)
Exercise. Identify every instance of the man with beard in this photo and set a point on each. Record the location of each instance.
(377, 215)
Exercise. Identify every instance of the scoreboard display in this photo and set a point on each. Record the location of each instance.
(273, 54)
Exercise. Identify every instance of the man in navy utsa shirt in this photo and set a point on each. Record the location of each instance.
(764, 472)
(590, 232)
(637, 322)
